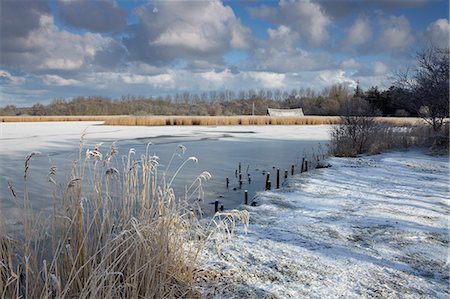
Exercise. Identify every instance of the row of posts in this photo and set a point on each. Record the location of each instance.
(268, 184)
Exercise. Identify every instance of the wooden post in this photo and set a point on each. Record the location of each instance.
(235, 172)
(268, 181)
(306, 165)
(249, 178)
(240, 179)
(268, 185)
(246, 197)
(239, 167)
(216, 206)
(286, 172)
(228, 182)
(221, 207)
(292, 169)
(278, 178)
(303, 165)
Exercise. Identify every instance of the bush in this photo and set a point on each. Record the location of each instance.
(354, 135)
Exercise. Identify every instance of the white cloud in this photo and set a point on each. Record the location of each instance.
(396, 33)
(58, 81)
(49, 48)
(304, 16)
(186, 30)
(280, 53)
(266, 79)
(328, 78)
(161, 80)
(379, 68)
(7, 78)
(438, 32)
(183, 80)
(359, 33)
(217, 77)
(350, 64)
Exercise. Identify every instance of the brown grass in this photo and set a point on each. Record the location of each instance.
(219, 120)
(159, 120)
(113, 234)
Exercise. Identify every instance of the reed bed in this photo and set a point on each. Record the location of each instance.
(219, 120)
(244, 120)
(160, 120)
(112, 234)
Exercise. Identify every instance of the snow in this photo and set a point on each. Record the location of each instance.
(22, 138)
(374, 226)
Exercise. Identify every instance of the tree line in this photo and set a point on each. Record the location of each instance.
(330, 101)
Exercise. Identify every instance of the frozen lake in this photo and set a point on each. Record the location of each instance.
(219, 150)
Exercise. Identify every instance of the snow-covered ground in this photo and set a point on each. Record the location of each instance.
(370, 227)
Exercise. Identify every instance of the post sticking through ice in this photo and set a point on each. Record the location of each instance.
(278, 178)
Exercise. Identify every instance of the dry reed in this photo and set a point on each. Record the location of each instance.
(113, 234)
(159, 120)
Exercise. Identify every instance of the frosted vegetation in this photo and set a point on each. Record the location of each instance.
(372, 226)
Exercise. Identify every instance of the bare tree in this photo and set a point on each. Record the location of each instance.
(427, 86)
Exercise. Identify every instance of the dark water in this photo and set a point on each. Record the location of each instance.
(218, 156)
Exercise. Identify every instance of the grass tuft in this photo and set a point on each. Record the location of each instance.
(115, 232)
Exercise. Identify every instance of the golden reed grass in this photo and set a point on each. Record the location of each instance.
(160, 120)
(115, 232)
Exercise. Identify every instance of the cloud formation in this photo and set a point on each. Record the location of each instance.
(359, 33)
(46, 48)
(95, 16)
(396, 33)
(198, 30)
(305, 17)
(114, 47)
(438, 33)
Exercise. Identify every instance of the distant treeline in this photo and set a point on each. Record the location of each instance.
(330, 101)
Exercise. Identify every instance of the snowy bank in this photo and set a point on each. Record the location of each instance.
(368, 227)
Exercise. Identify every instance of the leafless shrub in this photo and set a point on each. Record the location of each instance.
(354, 135)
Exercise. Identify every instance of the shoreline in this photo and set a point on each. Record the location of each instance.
(237, 120)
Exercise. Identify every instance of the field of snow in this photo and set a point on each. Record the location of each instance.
(22, 138)
(371, 227)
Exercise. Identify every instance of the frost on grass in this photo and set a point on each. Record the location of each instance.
(113, 233)
(367, 227)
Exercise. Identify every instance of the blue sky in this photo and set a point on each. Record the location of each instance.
(67, 48)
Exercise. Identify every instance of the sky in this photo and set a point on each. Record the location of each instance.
(68, 48)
